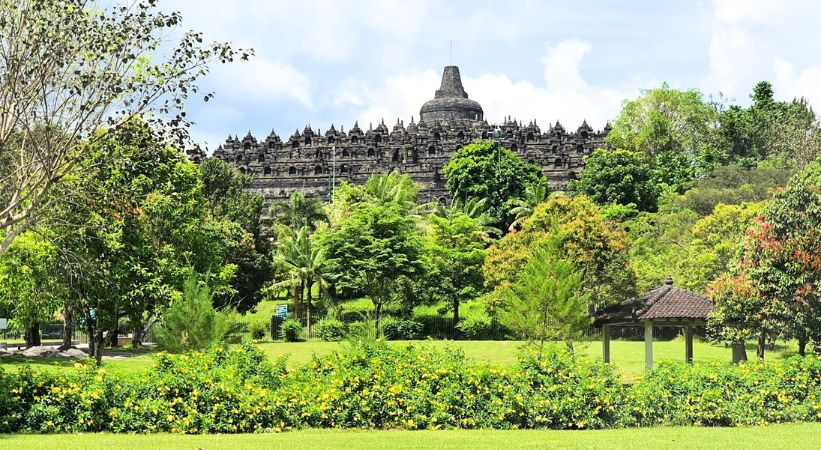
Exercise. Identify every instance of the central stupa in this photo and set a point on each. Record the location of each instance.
(451, 101)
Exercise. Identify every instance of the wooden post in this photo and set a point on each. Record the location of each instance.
(605, 339)
(688, 345)
(648, 344)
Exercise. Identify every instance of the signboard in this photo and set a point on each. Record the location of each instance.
(4, 323)
(282, 311)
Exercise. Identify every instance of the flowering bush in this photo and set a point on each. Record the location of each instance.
(409, 387)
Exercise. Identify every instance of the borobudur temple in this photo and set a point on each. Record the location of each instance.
(311, 161)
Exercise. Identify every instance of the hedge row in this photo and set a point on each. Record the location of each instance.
(410, 387)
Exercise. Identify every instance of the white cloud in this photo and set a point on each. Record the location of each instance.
(563, 94)
(750, 42)
(263, 80)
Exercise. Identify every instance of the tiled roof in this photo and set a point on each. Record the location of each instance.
(665, 302)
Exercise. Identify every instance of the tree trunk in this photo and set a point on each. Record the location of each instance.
(455, 319)
(113, 340)
(308, 285)
(377, 314)
(137, 334)
(90, 334)
(762, 342)
(802, 347)
(67, 321)
(99, 344)
(33, 335)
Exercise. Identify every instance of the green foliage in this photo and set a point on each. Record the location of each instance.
(728, 395)
(291, 330)
(330, 329)
(191, 322)
(30, 282)
(596, 248)
(475, 327)
(618, 176)
(547, 301)
(715, 242)
(488, 171)
(229, 203)
(456, 247)
(665, 120)
(258, 329)
(374, 250)
(780, 262)
(733, 185)
(402, 329)
(375, 386)
(299, 212)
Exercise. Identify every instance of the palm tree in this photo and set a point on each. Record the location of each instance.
(299, 211)
(304, 263)
(535, 193)
(393, 187)
(472, 207)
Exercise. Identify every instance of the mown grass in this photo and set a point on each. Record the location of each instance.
(773, 437)
(628, 356)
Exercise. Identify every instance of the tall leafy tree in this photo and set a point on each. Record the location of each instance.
(137, 222)
(68, 68)
(238, 213)
(618, 176)
(489, 171)
(668, 121)
(456, 246)
(30, 284)
(373, 250)
(597, 249)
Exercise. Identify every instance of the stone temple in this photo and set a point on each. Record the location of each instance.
(312, 161)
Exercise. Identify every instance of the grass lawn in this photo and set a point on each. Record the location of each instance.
(786, 436)
(628, 356)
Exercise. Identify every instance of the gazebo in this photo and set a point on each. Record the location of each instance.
(665, 305)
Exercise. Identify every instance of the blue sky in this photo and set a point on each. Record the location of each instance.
(323, 62)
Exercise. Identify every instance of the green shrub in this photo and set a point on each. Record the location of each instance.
(291, 330)
(192, 323)
(258, 329)
(475, 327)
(330, 329)
(378, 386)
(402, 329)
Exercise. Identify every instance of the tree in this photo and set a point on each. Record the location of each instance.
(715, 242)
(782, 257)
(665, 120)
(299, 211)
(393, 187)
(770, 128)
(135, 223)
(30, 286)
(304, 262)
(456, 246)
(618, 176)
(68, 68)
(238, 213)
(596, 248)
(548, 300)
(486, 170)
(191, 322)
(523, 207)
(373, 250)
(732, 185)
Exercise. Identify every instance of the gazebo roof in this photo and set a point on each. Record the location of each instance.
(664, 303)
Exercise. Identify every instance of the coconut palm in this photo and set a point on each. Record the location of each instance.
(393, 187)
(535, 193)
(304, 263)
(299, 211)
(472, 207)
